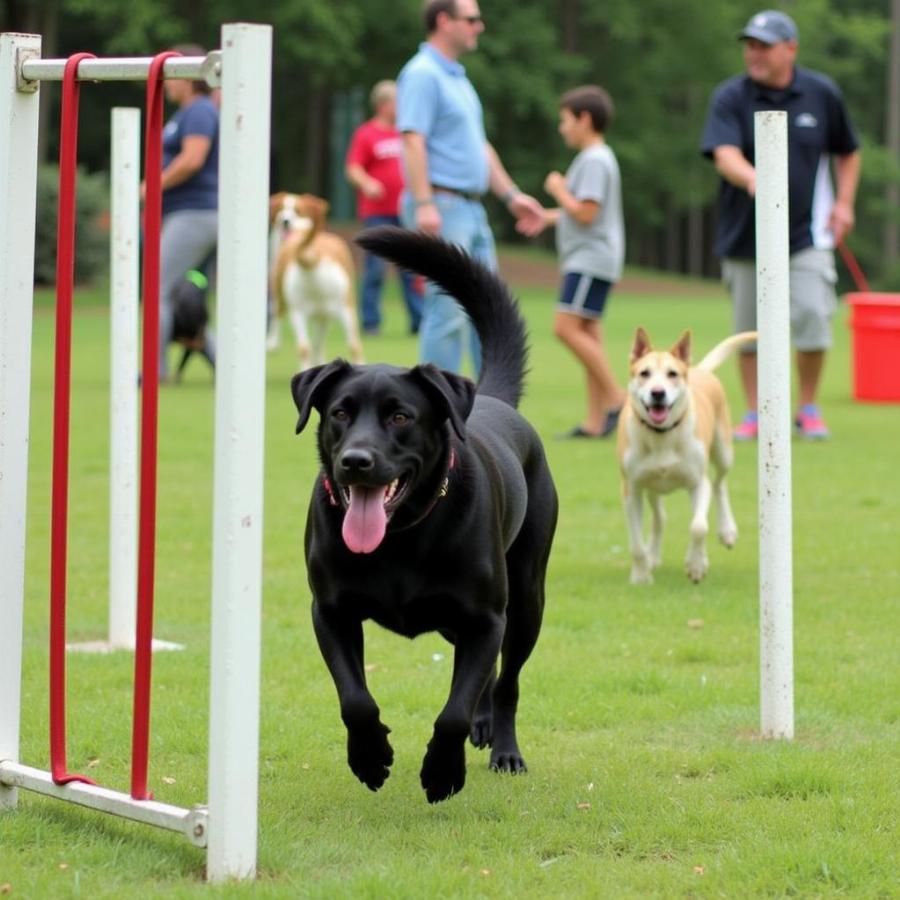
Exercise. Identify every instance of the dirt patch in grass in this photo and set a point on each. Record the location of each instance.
(526, 271)
(523, 268)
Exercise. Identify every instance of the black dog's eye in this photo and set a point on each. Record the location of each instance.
(399, 418)
(340, 415)
(672, 373)
(644, 373)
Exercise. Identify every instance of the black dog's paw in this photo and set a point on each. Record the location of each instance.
(482, 732)
(443, 770)
(511, 762)
(370, 755)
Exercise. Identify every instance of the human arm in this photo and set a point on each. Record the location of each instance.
(362, 181)
(415, 155)
(582, 211)
(551, 217)
(735, 168)
(529, 214)
(842, 219)
(187, 162)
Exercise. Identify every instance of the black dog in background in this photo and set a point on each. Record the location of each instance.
(189, 318)
(434, 511)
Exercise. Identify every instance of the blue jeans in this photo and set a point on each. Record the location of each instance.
(445, 327)
(373, 280)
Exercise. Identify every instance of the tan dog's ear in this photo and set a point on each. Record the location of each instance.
(323, 206)
(682, 349)
(316, 208)
(641, 344)
(275, 202)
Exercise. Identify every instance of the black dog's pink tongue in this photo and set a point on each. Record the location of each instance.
(365, 520)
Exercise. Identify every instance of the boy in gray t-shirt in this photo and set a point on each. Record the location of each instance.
(590, 240)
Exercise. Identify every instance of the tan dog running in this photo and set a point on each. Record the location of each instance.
(313, 278)
(675, 421)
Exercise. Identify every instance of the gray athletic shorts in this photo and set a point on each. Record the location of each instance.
(813, 298)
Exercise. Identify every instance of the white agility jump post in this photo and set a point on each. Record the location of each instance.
(123, 351)
(239, 442)
(124, 268)
(774, 385)
(18, 198)
(227, 826)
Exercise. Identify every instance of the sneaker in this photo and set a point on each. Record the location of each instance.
(578, 432)
(748, 429)
(611, 422)
(810, 425)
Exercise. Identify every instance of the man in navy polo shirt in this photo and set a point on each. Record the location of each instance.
(449, 165)
(819, 130)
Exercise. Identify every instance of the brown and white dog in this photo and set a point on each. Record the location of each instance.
(675, 421)
(312, 278)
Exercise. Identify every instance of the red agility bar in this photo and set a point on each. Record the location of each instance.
(143, 651)
(65, 278)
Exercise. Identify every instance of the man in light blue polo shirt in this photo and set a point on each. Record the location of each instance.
(449, 166)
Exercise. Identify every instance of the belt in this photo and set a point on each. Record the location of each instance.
(472, 196)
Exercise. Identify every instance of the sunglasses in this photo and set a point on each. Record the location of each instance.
(472, 20)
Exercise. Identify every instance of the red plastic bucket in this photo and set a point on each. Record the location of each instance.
(875, 326)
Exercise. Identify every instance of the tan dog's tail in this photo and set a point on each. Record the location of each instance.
(723, 350)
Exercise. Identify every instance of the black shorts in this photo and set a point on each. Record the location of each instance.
(583, 295)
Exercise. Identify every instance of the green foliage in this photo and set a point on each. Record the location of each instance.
(660, 61)
(91, 226)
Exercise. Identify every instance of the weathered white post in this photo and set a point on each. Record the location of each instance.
(18, 197)
(774, 383)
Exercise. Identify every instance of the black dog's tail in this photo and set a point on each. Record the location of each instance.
(480, 292)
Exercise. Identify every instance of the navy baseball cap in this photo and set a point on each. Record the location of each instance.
(771, 27)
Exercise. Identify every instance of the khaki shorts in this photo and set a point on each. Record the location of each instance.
(812, 291)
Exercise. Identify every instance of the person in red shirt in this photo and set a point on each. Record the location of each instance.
(373, 167)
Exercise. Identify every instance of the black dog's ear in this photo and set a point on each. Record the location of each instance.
(311, 387)
(454, 393)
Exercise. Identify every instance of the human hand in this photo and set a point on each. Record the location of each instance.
(841, 220)
(373, 189)
(428, 219)
(553, 183)
(530, 215)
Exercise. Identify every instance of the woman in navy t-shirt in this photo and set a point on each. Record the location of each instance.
(190, 198)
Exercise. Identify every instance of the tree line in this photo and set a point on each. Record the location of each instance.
(659, 61)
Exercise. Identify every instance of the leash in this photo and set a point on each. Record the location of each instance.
(856, 272)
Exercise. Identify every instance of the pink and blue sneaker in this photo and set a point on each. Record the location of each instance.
(748, 428)
(810, 425)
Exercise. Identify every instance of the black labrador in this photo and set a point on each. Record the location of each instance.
(434, 511)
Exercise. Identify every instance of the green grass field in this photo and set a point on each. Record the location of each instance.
(639, 712)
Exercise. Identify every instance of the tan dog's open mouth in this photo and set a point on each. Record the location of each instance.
(657, 411)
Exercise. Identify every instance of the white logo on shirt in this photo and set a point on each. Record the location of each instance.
(388, 148)
(806, 120)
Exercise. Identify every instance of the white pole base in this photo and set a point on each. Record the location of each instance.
(192, 823)
(107, 647)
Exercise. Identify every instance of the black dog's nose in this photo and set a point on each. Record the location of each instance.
(658, 395)
(357, 461)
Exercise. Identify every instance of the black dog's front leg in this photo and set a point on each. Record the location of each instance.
(368, 752)
(444, 767)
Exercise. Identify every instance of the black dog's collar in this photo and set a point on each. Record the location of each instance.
(646, 424)
(442, 490)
